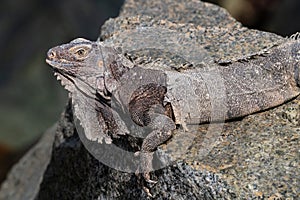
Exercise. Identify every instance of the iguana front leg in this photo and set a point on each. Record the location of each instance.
(146, 109)
(162, 127)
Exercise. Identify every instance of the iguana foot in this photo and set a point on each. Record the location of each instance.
(147, 191)
(143, 171)
(145, 166)
(147, 178)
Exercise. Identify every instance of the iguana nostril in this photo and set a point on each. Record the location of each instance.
(51, 54)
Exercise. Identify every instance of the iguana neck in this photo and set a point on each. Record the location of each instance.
(114, 65)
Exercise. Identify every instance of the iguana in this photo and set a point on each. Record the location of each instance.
(107, 85)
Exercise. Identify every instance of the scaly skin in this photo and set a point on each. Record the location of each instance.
(94, 73)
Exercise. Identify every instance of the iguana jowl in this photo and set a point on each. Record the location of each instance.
(94, 74)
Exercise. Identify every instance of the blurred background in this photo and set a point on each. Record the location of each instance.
(31, 99)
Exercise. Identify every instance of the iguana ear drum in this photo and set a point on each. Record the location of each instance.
(100, 63)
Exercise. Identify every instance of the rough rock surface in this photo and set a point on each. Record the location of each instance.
(257, 157)
(25, 177)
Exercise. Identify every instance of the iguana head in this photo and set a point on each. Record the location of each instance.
(79, 65)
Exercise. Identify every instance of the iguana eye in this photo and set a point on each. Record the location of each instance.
(80, 52)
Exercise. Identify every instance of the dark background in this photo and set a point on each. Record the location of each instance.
(31, 99)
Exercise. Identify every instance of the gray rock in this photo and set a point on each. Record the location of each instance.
(23, 181)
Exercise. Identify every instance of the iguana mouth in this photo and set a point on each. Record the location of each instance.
(64, 71)
(59, 64)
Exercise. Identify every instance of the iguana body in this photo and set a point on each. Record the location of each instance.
(106, 85)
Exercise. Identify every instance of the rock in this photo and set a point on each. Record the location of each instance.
(253, 157)
(24, 179)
